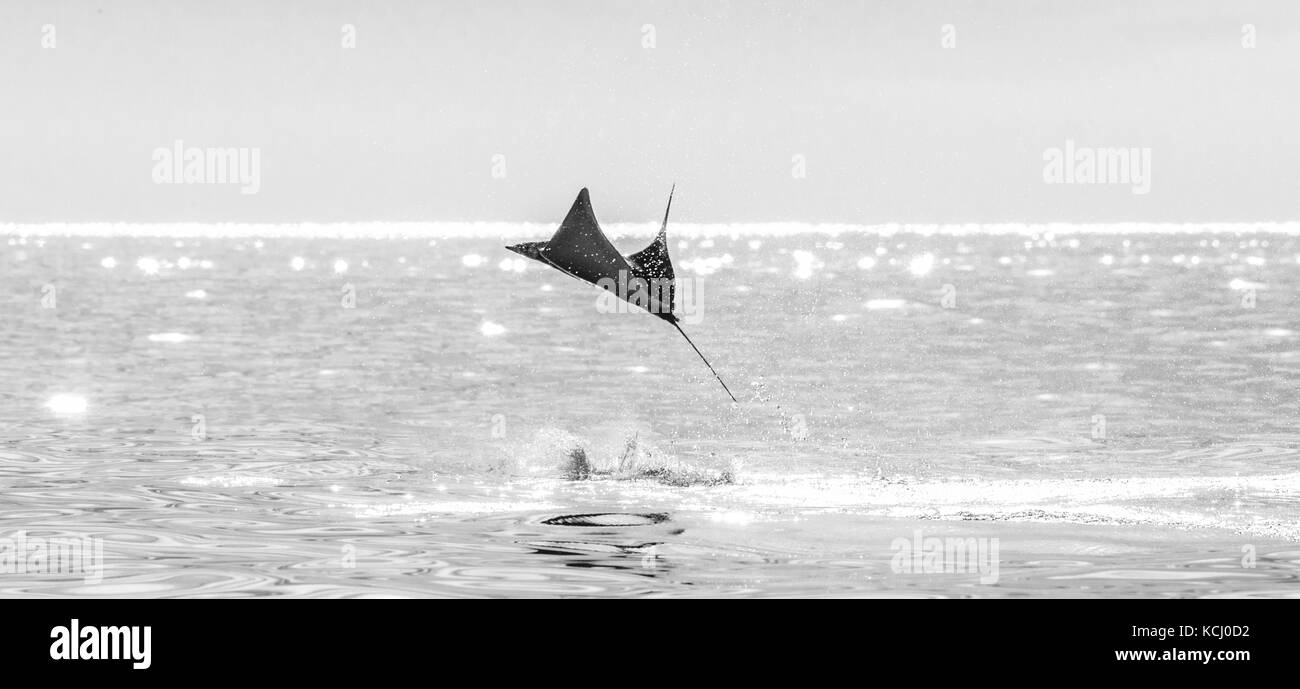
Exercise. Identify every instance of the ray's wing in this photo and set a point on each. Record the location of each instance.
(653, 264)
(581, 249)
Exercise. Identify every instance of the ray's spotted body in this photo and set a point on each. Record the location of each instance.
(581, 249)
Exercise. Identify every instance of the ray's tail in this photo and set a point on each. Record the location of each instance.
(706, 361)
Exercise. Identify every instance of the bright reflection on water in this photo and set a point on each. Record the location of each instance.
(1119, 416)
(66, 404)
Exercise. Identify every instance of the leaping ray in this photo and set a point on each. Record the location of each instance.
(582, 250)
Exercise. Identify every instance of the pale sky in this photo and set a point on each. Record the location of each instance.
(892, 126)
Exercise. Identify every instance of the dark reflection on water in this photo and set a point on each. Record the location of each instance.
(1120, 425)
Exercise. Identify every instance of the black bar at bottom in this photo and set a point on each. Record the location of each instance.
(242, 640)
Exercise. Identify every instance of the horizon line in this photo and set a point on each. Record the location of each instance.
(380, 229)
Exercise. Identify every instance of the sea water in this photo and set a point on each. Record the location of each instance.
(402, 409)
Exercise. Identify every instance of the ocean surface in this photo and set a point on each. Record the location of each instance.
(235, 412)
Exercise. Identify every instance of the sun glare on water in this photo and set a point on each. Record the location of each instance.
(921, 266)
(174, 338)
(66, 404)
